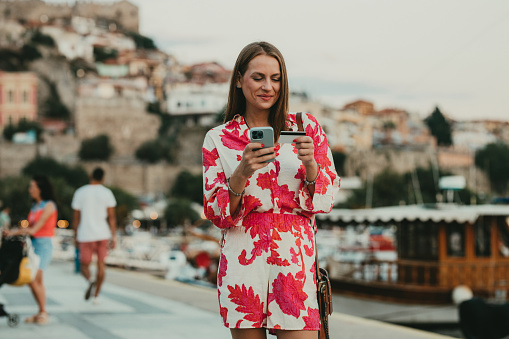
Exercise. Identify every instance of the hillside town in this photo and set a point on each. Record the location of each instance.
(82, 70)
(417, 214)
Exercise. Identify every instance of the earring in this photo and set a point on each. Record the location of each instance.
(238, 86)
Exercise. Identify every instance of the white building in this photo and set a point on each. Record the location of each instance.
(471, 135)
(70, 44)
(200, 103)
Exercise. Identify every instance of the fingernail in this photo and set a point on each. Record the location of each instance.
(294, 140)
(263, 145)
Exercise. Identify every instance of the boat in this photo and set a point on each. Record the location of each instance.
(437, 248)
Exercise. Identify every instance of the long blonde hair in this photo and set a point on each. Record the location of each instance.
(236, 100)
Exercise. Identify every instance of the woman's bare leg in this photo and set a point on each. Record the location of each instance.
(248, 333)
(39, 291)
(284, 334)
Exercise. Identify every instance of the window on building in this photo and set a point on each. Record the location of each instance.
(10, 96)
(25, 97)
(503, 241)
(482, 238)
(455, 240)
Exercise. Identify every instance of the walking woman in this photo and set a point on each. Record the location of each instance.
(42, 221)
(266, 277)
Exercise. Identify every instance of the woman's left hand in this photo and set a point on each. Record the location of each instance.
(305, 150)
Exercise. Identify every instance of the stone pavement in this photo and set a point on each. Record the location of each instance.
(138, 305)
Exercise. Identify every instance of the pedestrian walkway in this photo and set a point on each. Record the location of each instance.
(141, 306)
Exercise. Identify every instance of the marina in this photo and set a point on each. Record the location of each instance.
(398, 265)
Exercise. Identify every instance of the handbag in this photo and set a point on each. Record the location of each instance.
(29, 264)
(323, 289)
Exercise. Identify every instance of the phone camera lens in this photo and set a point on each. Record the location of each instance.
(257, 134)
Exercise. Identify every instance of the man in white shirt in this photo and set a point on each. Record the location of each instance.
(95, 226)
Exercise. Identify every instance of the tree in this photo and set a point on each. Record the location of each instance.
(389, 189)
(73, 176)
(439, 127)
(339, 159)
(23, 126)
(97, 148)
(142, 42)
(30, 53)
(42, 39)
(14, 192)
(180, 212)
(126, 202)
(53, 107)
(104, 53)
(188, 186)
(494, 160)
(152, 151)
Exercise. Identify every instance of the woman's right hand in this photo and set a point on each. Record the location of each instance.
(253, 158)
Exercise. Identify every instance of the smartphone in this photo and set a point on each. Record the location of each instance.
(287, 137)
(263, 135)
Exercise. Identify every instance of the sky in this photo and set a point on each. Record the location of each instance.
(406, 54)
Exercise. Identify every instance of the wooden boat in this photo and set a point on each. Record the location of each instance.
(438, 248)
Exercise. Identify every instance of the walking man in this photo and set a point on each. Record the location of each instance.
(95, 228)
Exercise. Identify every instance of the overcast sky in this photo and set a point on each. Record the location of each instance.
(412, 55)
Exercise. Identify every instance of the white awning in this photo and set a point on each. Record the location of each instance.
(436, 213)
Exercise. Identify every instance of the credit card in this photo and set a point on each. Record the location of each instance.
(287, 137)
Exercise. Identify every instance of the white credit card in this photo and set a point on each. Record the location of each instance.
(288, 137)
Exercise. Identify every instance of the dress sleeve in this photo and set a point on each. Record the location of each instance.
(327, 182)
(216, 199)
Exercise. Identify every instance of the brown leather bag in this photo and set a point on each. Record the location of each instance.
(323, 289)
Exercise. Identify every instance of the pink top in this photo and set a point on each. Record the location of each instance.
(48, 229)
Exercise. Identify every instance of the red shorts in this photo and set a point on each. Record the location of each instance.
(88, 248)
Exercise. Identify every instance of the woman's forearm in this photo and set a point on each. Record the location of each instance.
(311, 175)
(237, 184)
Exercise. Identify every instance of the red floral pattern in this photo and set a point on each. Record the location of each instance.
(248, 303)
(266, 269)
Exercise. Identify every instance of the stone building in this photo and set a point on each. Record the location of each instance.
(18, 97)
(121, 14)
(115, 107)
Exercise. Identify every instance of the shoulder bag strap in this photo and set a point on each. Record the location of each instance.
(299, 121)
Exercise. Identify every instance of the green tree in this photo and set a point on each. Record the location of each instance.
(53, 107)
(126, 202)
(152, 151)
(387, 190)
(97, 148)
(188, 186)
(30, 53)
(439, 127)
(42, 39)
(494, 161)
(339, 159)
(180, 212)
(104, 53)
(14, 192)
(142, 42)
(23, 126)
(9, 131)
(73, 176)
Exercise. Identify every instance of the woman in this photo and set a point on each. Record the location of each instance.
(266, 277)
(42, 221)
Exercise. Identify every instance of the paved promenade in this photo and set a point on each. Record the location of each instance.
(138, 305)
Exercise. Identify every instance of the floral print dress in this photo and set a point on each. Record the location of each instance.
(266, 274)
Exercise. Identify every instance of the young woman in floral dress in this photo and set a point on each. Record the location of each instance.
(266, 277)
